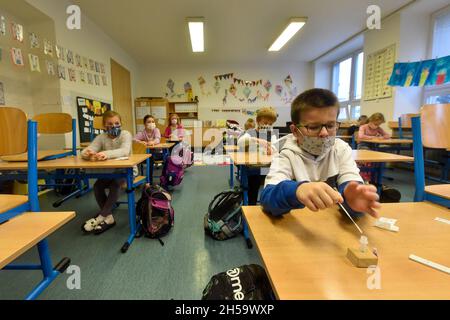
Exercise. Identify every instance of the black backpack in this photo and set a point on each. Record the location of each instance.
(154, 212)
(69, 185)
(224, 217)
(248, 282)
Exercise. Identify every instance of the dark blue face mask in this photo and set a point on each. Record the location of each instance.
(114, 131)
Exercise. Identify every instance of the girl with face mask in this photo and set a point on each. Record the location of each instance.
(113, 143)
(175, 130)
(151, 135)
(372, 130)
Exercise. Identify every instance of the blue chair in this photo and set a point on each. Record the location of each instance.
(431, 130)
(19, 229)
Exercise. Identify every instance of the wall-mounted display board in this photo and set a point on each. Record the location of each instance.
(87, 110)
(379, 67)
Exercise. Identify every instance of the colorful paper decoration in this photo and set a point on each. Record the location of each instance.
(34, 63)
(171, 85)
(92, 65)
(217, 86)
(72, 75)
(48, 48)
(16, 56)
(288, 81)
(262, 97)
(104, 81)
(441, 74)
(278, 90)
(224, 99)
(97, 67)
(61, 72)
(97, 80)
(17, 31)
(202, 84)
(70, 57)
(2, 26)
(34, 40)
(102, 68)
(60, 53)
(267, 85)
(224, 76)
(82, 76)
(246, 92)
(90, 78)
(78, 60)
(86, 63)
(233, 90)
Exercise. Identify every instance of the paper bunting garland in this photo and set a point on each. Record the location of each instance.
(246, 92)
(423, 73)
(263, 97)
(233, 90)
(278, 90)
(17, 58)
(267, 85)
(247, 82)
(17, 31)
(224, 76)
(288, 81)
(34, 63)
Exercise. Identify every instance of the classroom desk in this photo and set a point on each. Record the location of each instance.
(387, 141)
(41, 155)
(304, 253)
(78, 163)
(26, 230)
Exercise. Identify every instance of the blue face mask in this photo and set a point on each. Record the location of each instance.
(114, 131)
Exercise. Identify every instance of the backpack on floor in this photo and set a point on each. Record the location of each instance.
(389, 195)
(248, 282)
(183, 150)
(65, 187)
(155, 213)
(224, 217)
(172, 172)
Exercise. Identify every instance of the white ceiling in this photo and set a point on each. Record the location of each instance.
(155, 31)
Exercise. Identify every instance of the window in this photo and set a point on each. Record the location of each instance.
(347, 85)
(440, 48)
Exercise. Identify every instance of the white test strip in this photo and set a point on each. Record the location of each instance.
(386, 226)
(442, 220)
(388, 220)
(430, 264)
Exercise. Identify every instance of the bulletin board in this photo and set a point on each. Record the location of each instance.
(378, 72)
(87, 110)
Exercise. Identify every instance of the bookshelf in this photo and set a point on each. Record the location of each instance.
(157, 107)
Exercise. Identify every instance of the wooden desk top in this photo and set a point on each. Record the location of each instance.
(78, 163)
(84, 144)
(304, 253)
(344, 137)
(258, 159)
(23, 157)
(376, 156)
(164, 145)
(440, 190)
(10, 201)
(387, 141)
(26, 230)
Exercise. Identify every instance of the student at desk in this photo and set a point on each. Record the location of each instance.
(312, 162)
(175, 130)
(261, 137)
(150, 135)
(112, 144)
(372, 130)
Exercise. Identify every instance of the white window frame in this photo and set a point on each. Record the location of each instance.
(347, 105)
(441, 89)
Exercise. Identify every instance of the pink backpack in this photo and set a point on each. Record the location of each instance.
(173, 171)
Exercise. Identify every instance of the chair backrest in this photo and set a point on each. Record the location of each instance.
(98, 123)
(138, 148)
(435, 123)
(13, 131)
(406, 119)
(54, 123)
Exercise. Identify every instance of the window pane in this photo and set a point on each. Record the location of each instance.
(355, 112)
(345, 73)
(359, 75)
(440, 98)
(441, 45)
(343, 114)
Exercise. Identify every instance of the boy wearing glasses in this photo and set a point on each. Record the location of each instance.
(313, 162)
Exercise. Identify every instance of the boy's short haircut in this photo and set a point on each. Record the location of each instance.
(148, 117)
(266, 112)
(110, 114)
(377, 117)
(313, 98)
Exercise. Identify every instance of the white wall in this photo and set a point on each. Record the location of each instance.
(322, 75)
(154, 78)
(91, 42)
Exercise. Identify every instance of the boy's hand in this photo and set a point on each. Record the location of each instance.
(90, 152)
(318, 195)
(362, 198)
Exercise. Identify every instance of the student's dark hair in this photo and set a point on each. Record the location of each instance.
(313, 98)
(147, 117)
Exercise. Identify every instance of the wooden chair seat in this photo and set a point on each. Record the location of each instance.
(26, 230)
(11, 201)
(440, 190)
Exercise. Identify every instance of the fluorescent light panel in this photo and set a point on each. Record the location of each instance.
(294, 26)
(196, 33)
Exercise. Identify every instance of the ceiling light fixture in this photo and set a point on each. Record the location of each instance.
(196, 32)
(295, 24)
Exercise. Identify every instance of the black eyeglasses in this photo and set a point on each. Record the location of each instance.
(316, 128)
